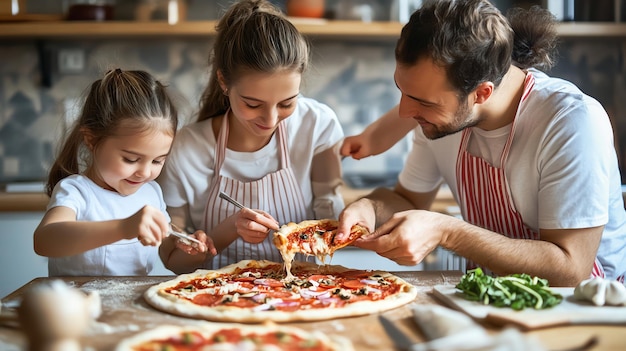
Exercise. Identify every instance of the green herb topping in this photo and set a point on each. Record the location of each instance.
(516, 291)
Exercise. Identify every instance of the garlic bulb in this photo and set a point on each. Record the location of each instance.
(601, 291)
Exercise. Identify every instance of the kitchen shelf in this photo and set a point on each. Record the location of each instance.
(313, 28)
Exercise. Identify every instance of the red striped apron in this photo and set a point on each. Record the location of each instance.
(484, 193)
(277, 193)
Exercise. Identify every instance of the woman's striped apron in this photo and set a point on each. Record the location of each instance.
(276, 193)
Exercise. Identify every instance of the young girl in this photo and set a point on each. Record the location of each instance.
(256, 139)
(106, 213)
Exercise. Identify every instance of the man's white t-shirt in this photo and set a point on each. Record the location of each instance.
(190, 167)
(127, 257)
(562, 168)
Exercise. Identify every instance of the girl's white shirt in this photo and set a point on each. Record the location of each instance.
(127, 257)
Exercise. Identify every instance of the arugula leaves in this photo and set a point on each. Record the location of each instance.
(517, 291)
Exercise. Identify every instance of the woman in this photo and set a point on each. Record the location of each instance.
(256, 139)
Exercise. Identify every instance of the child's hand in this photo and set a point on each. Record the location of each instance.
(149, 225)
(356, 146)
(254, 225)
(207, 245)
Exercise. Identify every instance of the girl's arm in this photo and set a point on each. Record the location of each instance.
(379, 136)
(59, 234)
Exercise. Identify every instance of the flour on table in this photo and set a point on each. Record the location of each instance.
(105, 328)
(114, 293)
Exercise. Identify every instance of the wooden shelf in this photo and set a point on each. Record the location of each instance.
(589, 29)
(119, 29)
(314, 28)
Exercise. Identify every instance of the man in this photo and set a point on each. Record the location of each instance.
(529, 158)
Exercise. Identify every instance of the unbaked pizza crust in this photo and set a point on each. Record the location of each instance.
(158, 298)
(333, 342)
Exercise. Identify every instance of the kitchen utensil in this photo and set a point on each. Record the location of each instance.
(185, 238)
(401, 341)
(235, 202)
(569, 312)
(231, 200)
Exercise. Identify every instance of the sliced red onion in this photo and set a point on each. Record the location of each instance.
(259, 297)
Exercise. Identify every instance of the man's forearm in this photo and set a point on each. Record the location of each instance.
(504, 255)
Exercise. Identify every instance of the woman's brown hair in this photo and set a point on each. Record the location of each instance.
(252, 36)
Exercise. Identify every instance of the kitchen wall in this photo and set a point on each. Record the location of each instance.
(353, 77)
(39, 100)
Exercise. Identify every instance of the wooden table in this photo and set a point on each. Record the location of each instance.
(126, 313)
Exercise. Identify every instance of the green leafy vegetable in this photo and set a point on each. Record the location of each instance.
(516, 291)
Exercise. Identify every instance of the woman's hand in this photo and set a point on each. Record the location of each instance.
(253, 226)
(207, 246)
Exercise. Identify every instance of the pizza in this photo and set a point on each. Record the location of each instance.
(235, 337)
(255, 291)
(312, 237)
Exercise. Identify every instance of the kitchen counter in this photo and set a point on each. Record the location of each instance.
(23, 202)
(37, 201)
(124, 313)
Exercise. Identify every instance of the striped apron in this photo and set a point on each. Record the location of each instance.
(277, 193)
(484, 194)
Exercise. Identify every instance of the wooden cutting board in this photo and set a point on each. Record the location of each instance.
(570, 311)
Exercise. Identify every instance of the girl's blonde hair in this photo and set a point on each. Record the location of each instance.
(129, 96)
(252, 36)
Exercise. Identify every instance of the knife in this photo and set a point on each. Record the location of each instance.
(400, 340)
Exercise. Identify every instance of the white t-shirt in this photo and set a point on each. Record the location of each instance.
(92, 203)
(190, 167)
(562, 168)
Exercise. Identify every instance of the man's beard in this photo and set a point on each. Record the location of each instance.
(463, 118)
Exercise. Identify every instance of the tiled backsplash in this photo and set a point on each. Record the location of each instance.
(354, 77)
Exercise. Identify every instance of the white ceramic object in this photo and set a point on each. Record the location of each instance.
(54, 316)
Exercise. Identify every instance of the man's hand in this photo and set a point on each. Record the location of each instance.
(407, 237)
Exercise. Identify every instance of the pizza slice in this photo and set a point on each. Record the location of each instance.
(312, 237)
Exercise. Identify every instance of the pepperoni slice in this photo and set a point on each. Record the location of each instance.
(317, 277)
(241, 303)
(244, 279)
(355, 274)
(353, 284)
(207, 299)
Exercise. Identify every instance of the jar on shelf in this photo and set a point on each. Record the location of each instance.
(305, 8)
(90, 10)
